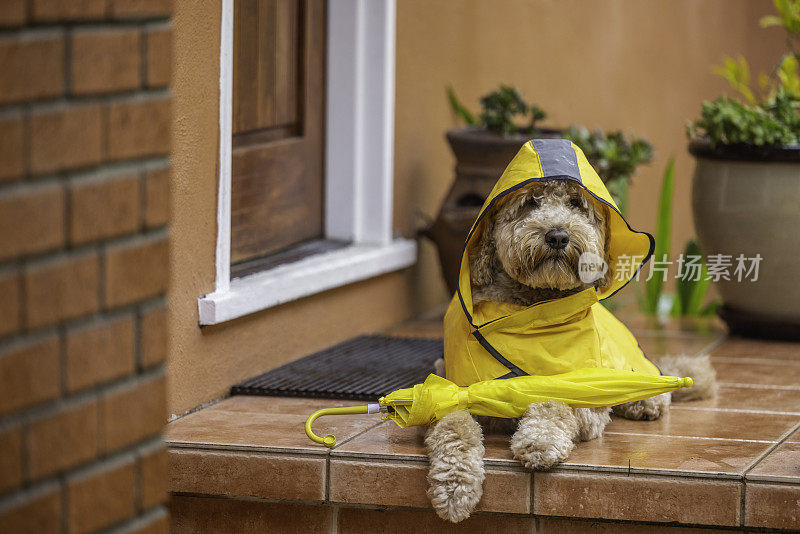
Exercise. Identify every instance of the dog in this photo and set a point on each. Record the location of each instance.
(528, 251)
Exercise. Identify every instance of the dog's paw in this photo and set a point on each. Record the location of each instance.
(592, 422)
(646, 409)
(455, 477)
(545, 436)
(454, 498)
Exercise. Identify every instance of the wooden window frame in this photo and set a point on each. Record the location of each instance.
(358, 168)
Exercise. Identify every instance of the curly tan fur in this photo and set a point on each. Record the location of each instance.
(592, 422)
(644, 410)
(546, 435)
(512, 263)
(699, 368)
(455, 477)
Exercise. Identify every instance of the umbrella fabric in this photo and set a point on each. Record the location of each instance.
(500, 340)
(425, 403)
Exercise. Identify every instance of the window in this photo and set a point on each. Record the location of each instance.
(354, 206)
(277, 125)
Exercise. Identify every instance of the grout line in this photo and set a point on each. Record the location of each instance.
(68, 53)
(327, 497)
(143, 46)
(714, 345)
(777, 444)
(532, 504)
(55, 256)
(90, 394)
(137, 318)
(644, 472)
(142, 204)
(758, 361)
(334, 519)
(753, 464)
(64, 502)
(351, 438)
(691, 437)
(174, 417)
(105, 99)
(759, 386)
(732, 410)
(192, 446)
(742, 496)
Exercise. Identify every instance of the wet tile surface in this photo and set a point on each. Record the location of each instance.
(265, 422)
(687, 466)
(750, 348)
(655, 344)
(751, 398)
(386, 440)
(679, 455)
(776, 373)
(782, 464)
(710, 423)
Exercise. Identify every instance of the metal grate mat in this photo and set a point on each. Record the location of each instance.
(362, 368)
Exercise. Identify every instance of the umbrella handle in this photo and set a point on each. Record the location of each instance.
(329, 440)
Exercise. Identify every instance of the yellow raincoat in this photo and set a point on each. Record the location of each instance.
(556, 336)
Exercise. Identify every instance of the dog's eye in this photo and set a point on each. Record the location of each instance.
(531, 203)
(575, 203)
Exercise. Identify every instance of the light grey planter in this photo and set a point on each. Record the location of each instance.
(746, 200)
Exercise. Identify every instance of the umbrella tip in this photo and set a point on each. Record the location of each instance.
(687, 382)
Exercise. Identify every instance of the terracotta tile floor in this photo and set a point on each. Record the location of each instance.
(732, 461)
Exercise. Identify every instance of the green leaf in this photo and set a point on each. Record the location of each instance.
(698, 294)
(663, 230)
(737, 72)
(692, 293)
(677, 306)
(787, 73)
(459, 108)
(683, 285)
(770, 20)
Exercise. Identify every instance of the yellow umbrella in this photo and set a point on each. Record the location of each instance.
(425, 403)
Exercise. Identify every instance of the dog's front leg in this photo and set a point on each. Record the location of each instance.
(592, 422)
(455, 479)
(645, 409)
(546, 435)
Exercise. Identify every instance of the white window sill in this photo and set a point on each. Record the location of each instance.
(306, 277)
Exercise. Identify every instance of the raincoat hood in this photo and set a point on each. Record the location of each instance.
(556, 336)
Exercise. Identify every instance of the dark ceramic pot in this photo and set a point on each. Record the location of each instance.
(481, 157)
(746, 200)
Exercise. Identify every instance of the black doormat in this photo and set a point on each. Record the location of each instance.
(362, 368)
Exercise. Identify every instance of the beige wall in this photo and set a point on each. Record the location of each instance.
(635, 65)
(617, 64)
(204, 363)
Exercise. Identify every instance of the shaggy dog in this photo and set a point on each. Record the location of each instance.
(528, 252)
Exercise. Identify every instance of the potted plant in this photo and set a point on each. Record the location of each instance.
(491, 139)
(746, 191)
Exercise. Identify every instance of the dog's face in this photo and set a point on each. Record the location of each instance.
(537, 235)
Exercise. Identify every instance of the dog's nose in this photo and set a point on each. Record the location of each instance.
(557, 238)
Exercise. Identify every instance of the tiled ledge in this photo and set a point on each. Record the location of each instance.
(733, 461)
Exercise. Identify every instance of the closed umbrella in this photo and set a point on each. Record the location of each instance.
(425, 403)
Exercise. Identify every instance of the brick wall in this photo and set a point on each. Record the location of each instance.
(84, 138)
